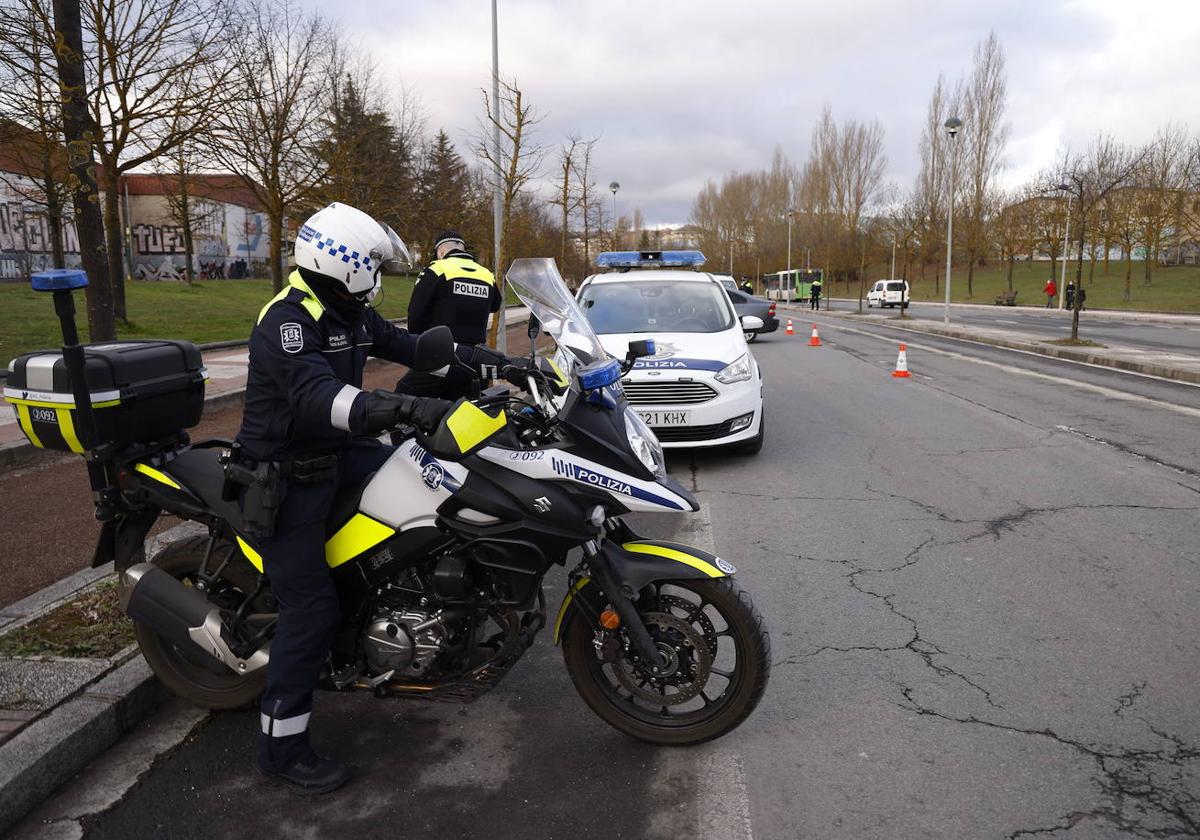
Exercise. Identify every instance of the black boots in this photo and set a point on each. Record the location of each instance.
(310, 775)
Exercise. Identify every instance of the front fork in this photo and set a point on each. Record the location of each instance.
(621, 595)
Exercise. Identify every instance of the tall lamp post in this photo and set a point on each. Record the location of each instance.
(791, 211)
(1062, 283)
(497, 199)
(614, 186)
(952, 126)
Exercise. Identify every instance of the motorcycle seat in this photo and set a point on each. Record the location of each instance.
(199, 471)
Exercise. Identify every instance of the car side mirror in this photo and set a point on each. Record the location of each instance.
(435, 349)
(751, 323)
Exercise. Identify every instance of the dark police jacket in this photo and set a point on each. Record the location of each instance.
(305, 373)
(457, 292)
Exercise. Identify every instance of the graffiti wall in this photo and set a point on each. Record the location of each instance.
(228, 240)
(25, 235)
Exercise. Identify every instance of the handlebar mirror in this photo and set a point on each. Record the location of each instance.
(535, 328)
(435, 349)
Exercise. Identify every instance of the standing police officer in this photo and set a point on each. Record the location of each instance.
(453, 291)
(309, 423)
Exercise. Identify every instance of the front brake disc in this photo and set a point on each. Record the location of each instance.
(687, 668)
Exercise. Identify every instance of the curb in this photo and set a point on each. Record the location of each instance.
(1067, 354)
(56, 746)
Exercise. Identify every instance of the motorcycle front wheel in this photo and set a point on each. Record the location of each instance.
(718, 656)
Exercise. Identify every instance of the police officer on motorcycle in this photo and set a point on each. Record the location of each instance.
(310, 428)
(456, 292)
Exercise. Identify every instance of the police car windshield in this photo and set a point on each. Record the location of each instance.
(654, 306)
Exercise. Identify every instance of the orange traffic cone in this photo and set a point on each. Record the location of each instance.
(815, 341)
(902, 364)
(789, 330)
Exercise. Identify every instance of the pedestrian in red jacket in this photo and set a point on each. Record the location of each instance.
(1051, 290)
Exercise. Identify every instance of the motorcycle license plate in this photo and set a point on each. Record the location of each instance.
(666, 418)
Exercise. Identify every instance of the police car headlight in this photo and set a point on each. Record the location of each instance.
(737, 371)
(644, 443)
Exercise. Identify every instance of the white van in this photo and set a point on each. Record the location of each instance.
(888, 293)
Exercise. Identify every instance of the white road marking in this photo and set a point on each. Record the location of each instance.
(1105, 368)
(1112, 393)
(1002, 321)
(724, 807)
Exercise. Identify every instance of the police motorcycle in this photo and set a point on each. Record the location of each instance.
(438, 559)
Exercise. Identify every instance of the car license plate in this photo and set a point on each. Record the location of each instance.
(666, 418)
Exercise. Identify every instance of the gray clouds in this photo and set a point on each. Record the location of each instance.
(686, 91)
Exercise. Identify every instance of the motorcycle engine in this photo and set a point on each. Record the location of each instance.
(404, 641)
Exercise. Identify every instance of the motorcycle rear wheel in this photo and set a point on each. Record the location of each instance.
(186, 677)
(722, 644)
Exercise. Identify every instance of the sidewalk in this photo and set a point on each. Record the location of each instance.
(226, 384)
(1177, 366)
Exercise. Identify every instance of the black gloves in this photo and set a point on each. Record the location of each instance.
(386, 410)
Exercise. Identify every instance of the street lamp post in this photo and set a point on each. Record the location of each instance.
(1062, 284)
(497, 199)
(614, 186)
(952, 126)
(892, 273)
(790, 212)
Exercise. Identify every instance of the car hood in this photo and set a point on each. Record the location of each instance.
(681, 351)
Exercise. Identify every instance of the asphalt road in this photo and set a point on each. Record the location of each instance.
(981, 587)
(1169, 338)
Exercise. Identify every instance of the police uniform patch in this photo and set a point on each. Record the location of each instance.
(470, 289)
(291, 337)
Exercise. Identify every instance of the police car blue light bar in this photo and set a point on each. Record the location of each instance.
(650, 259)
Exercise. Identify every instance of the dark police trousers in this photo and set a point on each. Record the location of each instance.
(294, 560)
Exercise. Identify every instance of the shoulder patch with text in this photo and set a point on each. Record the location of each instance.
(291, 337)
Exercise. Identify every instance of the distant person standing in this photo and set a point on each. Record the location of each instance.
(1082, 295)
(814, 294)
(453, 291)
(1050, 290)
(1070, 294)
(747, 286)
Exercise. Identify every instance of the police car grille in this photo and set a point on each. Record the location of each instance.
(667, 393)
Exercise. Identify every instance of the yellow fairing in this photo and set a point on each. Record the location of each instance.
(562, 611)
(562, 377)
(360, 534)
(160, 477)
(470, 426)
(676, 555)
(253, 556)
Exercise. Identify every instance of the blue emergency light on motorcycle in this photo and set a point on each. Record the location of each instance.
(58, 280)
(650, 259)
(600, 375)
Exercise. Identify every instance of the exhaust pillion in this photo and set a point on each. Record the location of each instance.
(439, 557)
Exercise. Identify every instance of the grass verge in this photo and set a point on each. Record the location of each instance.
(1074, 342)
(91, 626)
(215, 310)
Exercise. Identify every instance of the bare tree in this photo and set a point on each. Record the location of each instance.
(985, 134)
(160, 70)
(566, 198)
(1092, 177)
(1162, 183)
(31, 117)
(933, 179)
(179, 174)
(519, 159)
(588, 205)
(79, 131)
(271, 128)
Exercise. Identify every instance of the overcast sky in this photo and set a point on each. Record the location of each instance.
(681, 92)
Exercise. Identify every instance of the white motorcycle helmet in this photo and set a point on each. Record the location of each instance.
(348, 246)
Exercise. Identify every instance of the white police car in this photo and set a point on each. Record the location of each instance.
(702, 387)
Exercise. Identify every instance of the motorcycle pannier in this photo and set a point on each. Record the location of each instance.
(140, 391)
